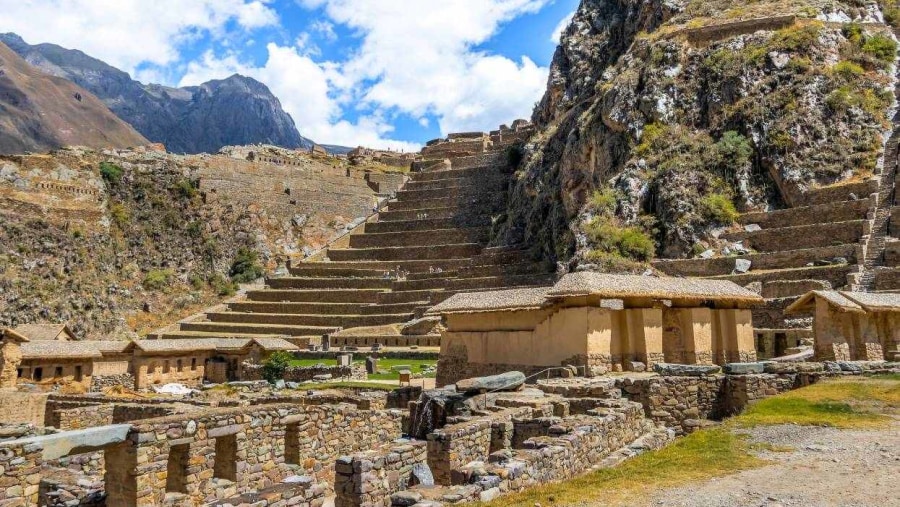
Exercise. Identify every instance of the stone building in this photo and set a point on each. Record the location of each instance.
(59, 362)
(853, 325)
(596, 322)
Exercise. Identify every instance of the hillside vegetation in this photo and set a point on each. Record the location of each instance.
(657, 129)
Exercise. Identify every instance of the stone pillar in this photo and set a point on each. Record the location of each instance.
(831, 330)
(890, 335)
(736, 337)
(645, 335)
(867, 346)
(603, 338)
(696, 328)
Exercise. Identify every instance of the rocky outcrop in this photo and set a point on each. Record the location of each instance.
(195, 119)
(664, 119)
(39, 112)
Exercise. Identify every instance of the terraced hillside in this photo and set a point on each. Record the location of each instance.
(427, 244)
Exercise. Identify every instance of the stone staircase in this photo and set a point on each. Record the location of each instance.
(429, 243)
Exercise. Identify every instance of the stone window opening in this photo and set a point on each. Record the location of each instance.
(79, 376)
(225, 466)
(167, 367)
(176, 469)
(18, 372)
(58, 372)
(38, 374)
(179, 366)
(292, 444)
(193, 363)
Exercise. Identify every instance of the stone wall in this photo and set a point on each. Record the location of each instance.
(369, 478)
(355, 371)
(101, 382)
(183, 458)
(21, 474)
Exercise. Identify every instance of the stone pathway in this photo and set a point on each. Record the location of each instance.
(828, 467)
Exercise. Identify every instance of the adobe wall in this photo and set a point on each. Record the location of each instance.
(17, 407)
(58, 370)
(163, 369)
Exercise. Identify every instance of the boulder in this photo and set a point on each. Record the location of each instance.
(406, 498)
(509, 381)
(744, 368)
(421, 475)
(801, 367)
(685, 370)
(637, 366)
(419, 327)
(831, 367)
(850, 367)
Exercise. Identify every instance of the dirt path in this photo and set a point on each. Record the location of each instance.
(827, 467)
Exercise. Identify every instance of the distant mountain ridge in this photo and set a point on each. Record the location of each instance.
(196, 119)
(40, 112)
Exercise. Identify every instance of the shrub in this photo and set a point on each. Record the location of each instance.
(222, 286)
(275, 365)
(514, 156)
(111, 173)
(119, 214)
(627, 242)
(719, 209)
(245, 267)
(734, 148)
(881, 47)
(847, 69)
(186, 188)
(158, 279)
(603, 201)
(853, 32)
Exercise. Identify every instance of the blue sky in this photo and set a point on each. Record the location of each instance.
(385, 73)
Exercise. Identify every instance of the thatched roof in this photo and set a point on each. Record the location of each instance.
(11, 334)
(45, 332)
(201, 344)
(273, 344)
(60, 350)
(492, 301)
(846, 301)
(836, 299)
(650, 287)
(608, 287)
(876, 301)
(112, 346)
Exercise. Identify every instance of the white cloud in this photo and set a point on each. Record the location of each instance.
(324, 29)
(561, 27)
(127, 33)
(420, 57)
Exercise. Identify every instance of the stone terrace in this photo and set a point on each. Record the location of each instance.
(819, 243)
(427, 244)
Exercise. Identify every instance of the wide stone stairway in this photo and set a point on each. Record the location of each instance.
(429, 243)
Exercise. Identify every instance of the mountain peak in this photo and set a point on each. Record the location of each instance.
(237, 110)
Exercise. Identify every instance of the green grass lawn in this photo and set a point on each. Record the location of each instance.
(416, 366)
(855, 402)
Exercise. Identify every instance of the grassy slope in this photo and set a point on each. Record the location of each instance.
(716, 452)
(383, 364)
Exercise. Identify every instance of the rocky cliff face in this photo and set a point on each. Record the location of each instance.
(665, 118)
(198, 119)
(39, 112)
